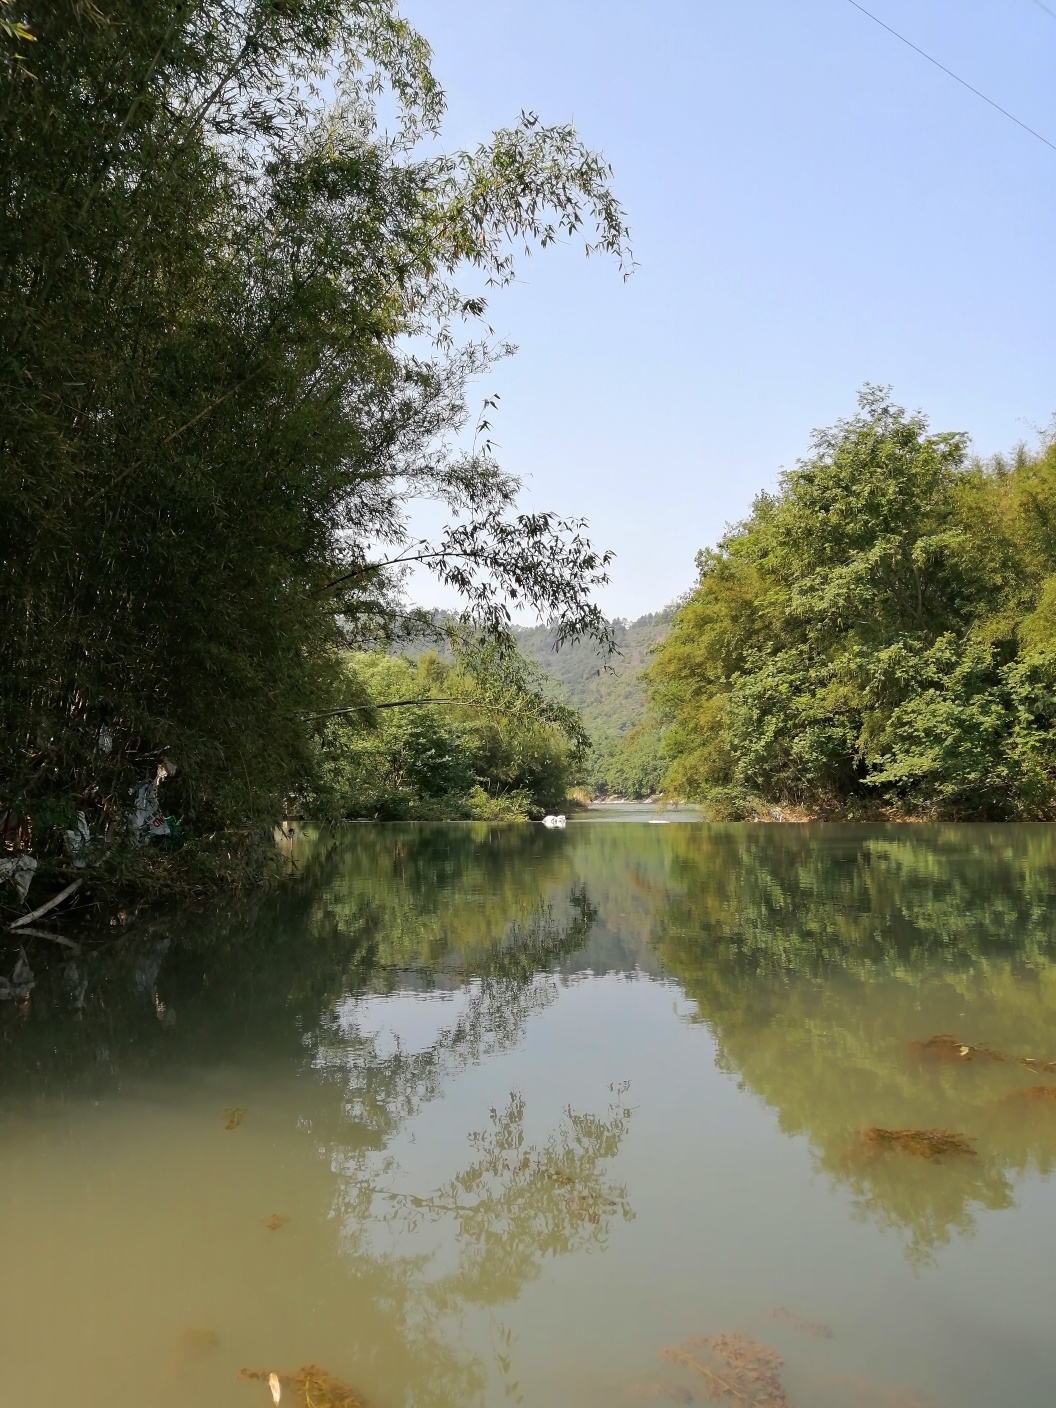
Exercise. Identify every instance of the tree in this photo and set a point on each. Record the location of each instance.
(232, 355)
(477, 739)
(876, 632)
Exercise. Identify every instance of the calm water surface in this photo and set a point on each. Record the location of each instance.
(487, 1115)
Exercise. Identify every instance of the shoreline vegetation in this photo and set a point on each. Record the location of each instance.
(241, 326)
(877, 639)
(245, 315)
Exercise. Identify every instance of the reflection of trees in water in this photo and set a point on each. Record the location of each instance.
(367, 906)
(926, 1202)
(419, 895)
(424, 1259)
(804, 899)
(374, 910)
(498, 994)
(811, 954)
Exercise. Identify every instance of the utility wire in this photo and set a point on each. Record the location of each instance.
(950, 73)
(1051, 13)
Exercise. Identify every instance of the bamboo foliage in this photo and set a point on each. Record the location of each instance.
(234, 353)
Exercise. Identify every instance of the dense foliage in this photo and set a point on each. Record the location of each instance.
(878, 634)
(604, 683)
(625, 757)
(231, 358)
(628, 763)
(484, 743)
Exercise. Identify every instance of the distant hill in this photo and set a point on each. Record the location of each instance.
(609, 695)
(626, 760)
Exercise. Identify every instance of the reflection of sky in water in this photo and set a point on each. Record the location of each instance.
(408, 1021)
(412, 1022)
(757, 988)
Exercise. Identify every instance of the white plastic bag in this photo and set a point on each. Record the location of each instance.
(19, 870)
(21, 982)
(75, 841)
(146, 817)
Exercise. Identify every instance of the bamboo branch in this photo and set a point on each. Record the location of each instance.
(53, 903)
(55, 938)
(368, 567)
(398, 704)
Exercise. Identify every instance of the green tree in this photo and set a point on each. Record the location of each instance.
(628, 765)
(877, 632)
(232, 357)
(479, 739)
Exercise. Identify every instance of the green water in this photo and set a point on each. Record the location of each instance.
(538, 1108)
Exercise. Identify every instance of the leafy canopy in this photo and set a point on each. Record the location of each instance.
(479, 740)
(234, 351)
(878, 632)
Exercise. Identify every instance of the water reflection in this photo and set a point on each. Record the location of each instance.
(370, 910)
(502, 989)
(813, 956)
(514, 1206)
(357, 1018)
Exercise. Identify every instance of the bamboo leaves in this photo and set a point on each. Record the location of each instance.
(232, 359)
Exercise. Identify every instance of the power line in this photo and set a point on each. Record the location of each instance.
(1049, 12)
(950, 73)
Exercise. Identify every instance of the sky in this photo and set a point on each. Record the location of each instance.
(813, 206)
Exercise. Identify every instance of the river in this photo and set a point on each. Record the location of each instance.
(478, 1115)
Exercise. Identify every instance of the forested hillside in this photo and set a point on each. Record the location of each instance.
(625, 754)
(607, 690)
(876, 638)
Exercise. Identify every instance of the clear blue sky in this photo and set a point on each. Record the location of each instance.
(813, 206)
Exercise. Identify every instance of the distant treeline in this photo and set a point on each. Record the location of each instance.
(435, 739)
(608, 691)
(877, 637)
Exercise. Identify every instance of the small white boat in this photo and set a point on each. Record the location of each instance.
(555, 823)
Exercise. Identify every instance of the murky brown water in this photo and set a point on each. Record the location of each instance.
(475, 1116)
